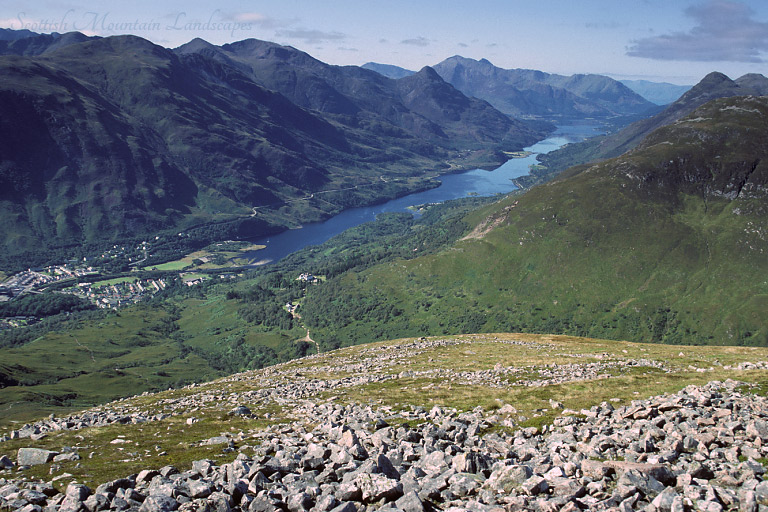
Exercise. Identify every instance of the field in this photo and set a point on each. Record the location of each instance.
(210, 258)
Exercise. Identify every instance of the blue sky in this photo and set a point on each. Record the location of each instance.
(678, 41)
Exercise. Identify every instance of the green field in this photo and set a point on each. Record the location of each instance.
(633, 248)
(117, 280)
(207, 259)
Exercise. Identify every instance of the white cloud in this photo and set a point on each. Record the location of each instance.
(416, 41)
(311, 36)
(262, 20)
(724, 31)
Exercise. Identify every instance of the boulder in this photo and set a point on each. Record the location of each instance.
(34, 456)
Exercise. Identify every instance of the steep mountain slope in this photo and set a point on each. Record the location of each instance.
(714, 85)
(73, 165)
(666, 243)
(523, 92)
(118, 137)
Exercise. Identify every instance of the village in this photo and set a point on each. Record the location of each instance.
(89, 279)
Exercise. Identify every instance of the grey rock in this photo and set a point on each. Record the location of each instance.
(265, 504)
(325, 503)
(200, 489)
(471, 462)
(299, 502)
(748, 502)
(96, 502)
(568, 488)
(508, 478)
(345, 507)
(644, 482)
(386, 468)
(665, 500)
(761, 491)
(534, 485)
(77, 492)
(410, 502)
(349, 491)
(159, 504)
(34, 497)
(216, 440)
(5, 462)
(434, 463)
(146, 476)
(241, 410)
(375, 487)
(65, 457)
(34, 456)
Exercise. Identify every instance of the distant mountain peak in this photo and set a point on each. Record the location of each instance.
(429, 72)
(714, 77)
(195, 45)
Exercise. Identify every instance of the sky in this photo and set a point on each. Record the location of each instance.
(676, 41)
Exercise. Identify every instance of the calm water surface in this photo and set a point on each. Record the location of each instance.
(477, 182)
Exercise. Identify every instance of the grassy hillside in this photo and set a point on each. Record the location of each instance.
(141, 348)
(666, 244)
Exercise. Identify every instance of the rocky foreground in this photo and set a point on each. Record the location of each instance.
(700, 449)
(703, 448)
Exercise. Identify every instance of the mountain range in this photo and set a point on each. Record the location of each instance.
(536, 94)
(108, 138)
(664, 242)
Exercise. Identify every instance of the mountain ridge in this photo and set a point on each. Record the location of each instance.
(539, 94)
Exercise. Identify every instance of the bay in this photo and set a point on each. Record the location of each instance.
(477, 182)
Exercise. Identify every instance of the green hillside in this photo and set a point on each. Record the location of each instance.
(666, 244)
(714, 85)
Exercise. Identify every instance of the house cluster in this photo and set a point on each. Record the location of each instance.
(33, 279)
(132, 255)
(308, 278)
(16, 321)
(120, 294)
